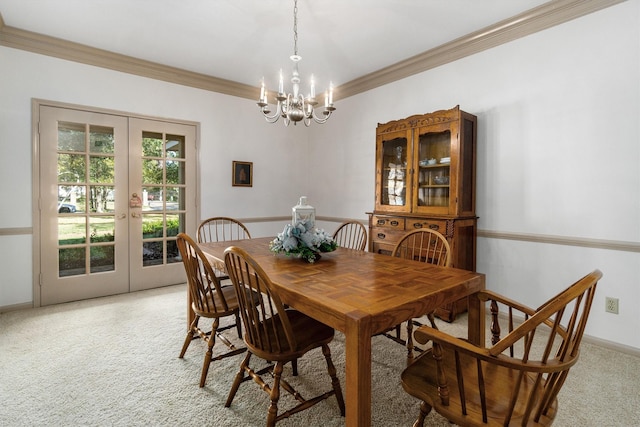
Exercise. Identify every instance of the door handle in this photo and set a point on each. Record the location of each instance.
(122, 216)
(135, 215)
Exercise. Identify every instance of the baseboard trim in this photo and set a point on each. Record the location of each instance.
(16, 307)
(610, 345)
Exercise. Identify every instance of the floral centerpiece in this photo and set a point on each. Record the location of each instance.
(303, 240)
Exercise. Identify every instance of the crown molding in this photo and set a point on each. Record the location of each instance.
(553, 13)
(537, 19)
(63, 49)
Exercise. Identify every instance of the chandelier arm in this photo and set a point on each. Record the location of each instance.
(321, 120)
(265, 112)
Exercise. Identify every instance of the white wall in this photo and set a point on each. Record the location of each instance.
(558, 153)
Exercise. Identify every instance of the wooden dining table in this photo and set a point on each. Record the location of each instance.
(361, 294)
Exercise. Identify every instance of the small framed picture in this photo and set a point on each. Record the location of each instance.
(242, 174)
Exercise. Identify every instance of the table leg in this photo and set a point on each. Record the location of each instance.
(358, 369)
(476, 320)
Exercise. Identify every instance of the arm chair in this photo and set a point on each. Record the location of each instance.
(221, 229)
(209, 300)
(276, 334)
(351, 235)
(424, 245)
(516, 380)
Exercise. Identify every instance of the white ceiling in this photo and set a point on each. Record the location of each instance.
(244, 40)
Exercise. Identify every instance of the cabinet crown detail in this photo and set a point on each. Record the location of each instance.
(441, 116)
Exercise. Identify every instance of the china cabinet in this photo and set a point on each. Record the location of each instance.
(425, 177)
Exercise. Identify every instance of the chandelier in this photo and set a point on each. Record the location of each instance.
(293, 106)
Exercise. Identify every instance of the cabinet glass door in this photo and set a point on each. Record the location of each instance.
(434, 170)
(394, 193)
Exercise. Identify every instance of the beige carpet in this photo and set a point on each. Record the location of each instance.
(113, 362)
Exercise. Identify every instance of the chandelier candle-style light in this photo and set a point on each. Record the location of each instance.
(293, 106)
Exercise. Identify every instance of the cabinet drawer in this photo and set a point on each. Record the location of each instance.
(387, 235)
(433, 224)
(382, 247)
(388, 222)
(383, 240)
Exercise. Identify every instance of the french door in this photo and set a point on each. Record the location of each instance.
(114, 193)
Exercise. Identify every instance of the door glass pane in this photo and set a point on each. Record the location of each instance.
(174, 224)
(152, 171)
(101, 199)
(175, 172)
(434, 168)
(175, 146)
(72, 230)
(71, 261)
(71, 167)
(101, 169)
(173, 255)
(102, 258)
(394, 172)
(103, 228)
(152, 253)
(101, 139)
(175, 198)
(71, 136)
(152, 143)
(152, 198)
(152, 226)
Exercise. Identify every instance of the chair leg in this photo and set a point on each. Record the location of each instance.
(275, 395)
(238, 325)
(334, 378)
(238, 379)
(189, 336)
(211, 341)
(294, 367)
(424, 411)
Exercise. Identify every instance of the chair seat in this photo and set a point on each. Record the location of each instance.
(230, 297)
(309, 334)
(419, 380)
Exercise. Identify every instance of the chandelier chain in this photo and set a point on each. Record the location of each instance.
(295, 27)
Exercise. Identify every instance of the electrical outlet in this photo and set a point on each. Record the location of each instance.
(611, 305)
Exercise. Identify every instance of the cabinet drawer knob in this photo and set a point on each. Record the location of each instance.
(431, 226)
(381, 236)
(394, 223)
(381, 222)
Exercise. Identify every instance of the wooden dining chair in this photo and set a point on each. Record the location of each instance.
(221, 229)
(424, 245)
(209, 300)
(516, 380)
(351, 235)
(276, 334)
